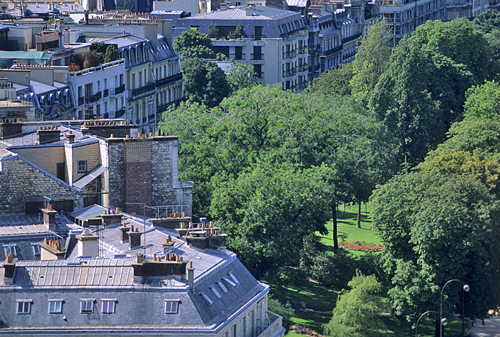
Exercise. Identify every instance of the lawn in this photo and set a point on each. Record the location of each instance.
(314, 304)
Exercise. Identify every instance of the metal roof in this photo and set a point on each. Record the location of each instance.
(88, 178)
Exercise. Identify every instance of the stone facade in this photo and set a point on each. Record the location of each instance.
(143, 172)
(24, 183)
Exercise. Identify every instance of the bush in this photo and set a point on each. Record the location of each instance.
(284, 310)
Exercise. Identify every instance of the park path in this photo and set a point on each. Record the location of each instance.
(491, 328)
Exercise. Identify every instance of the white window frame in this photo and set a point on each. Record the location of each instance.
(207, 299)
(234, 277)
(80, 166)
(23, 307)
(10, 248)
(85, 303)
(215, 291)
(172, 306)
(36, 249)
(108, 306)
(223, 287)
(55, 306)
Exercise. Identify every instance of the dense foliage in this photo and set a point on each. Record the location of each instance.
(193, 43)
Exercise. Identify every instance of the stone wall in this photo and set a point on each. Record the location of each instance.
(22, 182)
(116, 161)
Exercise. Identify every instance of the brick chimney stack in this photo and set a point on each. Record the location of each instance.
(10, 267)
(51, 250)
(124, 233)
(134, 238)
(49, 217)
(88, 244)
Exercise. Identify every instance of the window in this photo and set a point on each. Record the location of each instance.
(234, 278)
(36, 248)
(82, 166)
(11, 248)
(171, 307)
(228, 281)
(206, 298)
(223, 287)
(215, 291)
(108, 306)
(24, 307)
(55, 306)
(86, 306)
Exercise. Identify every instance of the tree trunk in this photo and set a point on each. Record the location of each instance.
(334, 215)
(358, 220)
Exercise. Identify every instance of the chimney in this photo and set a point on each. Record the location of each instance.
(70, 137)
(52, 250)
(249, 10)
(10, 267)
(172, 265)
(134, 238)
(124, 229)
(10, 129)
(48, 135)
(168, 244)
(88, 244)
(190, 273)
(110, 219)
(49, 217)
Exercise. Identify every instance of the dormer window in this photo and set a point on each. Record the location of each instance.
(171, 306)
(87, 306)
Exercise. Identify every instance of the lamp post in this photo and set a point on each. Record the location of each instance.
(418, 320)
(444, 321)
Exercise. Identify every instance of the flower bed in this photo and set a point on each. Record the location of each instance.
(297, 328)
(362, 246)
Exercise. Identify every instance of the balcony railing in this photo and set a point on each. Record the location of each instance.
(105, 93)
(144, 89)
(95, 97)
(302, 68)
(289, 55)
(290, 73)
(151, 117)
(120, 113)
(271, 326)
(334, 50)
(350, 38)
(304, 50)
(120, 89)
(168, 80)
(257, 56)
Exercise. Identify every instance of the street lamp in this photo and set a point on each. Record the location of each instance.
(444, 321)
(418, 320)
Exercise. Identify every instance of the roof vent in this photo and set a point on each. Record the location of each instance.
(249, 11)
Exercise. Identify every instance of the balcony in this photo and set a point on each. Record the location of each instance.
(105, 93)
(289, 55)
(351, 38)
(290, 73)
(120, 113)
(271, 326)
(120, 89)
(302, 68)
(168, 80)
(257, 57)
(304, 50)
(95, 97)
(333, 51)
(142, 90)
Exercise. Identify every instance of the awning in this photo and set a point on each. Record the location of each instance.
(87, 179)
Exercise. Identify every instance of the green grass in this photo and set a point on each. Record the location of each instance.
(323, 300)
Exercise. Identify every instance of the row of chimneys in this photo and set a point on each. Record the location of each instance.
(172, 265)
(87, 124)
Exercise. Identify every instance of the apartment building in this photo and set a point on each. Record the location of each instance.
(275, 41)
(152, 78)
(403, 16)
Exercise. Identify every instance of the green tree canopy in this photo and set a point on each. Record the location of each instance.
(435, 228)
(192, 44)
(336, 81)
(241, 76)
(489, 23)
(204, 82)
(357, 312)
(423, 90)
(112, 54)
(483, 101)
(372, 59)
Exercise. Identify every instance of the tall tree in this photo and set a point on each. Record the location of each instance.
(268, 210)
(372, 59)
(435, 228)
(357, 312)
(483, 101)
(112, 54)
(204, 82)
(192, 43)
(489, 23)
